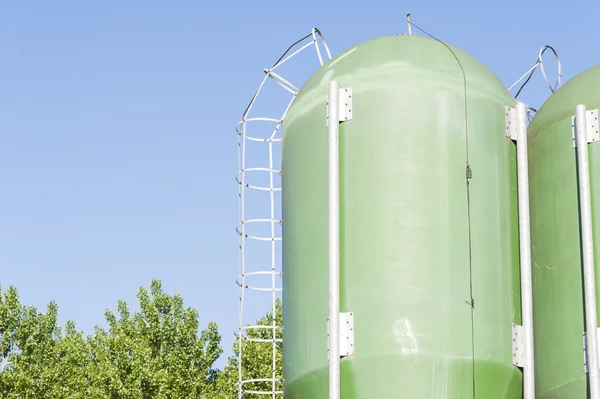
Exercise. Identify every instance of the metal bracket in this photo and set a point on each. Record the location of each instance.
(585, 352)
(593, 132)
(346, 335)
(345, 102)
(518, 345)
(511, 122)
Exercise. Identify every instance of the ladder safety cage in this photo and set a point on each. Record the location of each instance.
(263, 165)
(540, 63)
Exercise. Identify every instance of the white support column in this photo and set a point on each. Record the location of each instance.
(525, 251)
(587, 244)
(334, 239)
(522, 335)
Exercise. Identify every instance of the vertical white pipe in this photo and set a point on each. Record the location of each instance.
(409, 24)
(334, 240)
(589, 282)
(525, 250)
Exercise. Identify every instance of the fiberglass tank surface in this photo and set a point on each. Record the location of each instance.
(429, 268)
(555, 239)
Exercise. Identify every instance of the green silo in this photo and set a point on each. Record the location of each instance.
(429, 227)
(559, 313)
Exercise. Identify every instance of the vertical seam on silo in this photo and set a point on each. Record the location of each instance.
(468, 188)
(468, 174)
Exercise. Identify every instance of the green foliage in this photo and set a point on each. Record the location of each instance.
(158, 352)
(155, 353)
(33, 350)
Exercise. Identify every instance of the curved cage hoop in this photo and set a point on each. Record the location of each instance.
(241, 178)
(540, 63)
(242, 232)
(256, 288)
(242, 333)
(253, 165)
(242, 129)
(243, 330)
(273, 381)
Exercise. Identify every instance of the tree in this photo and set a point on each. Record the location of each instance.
(155, 353)
(257, 360)
(38, 361)
(10, 318)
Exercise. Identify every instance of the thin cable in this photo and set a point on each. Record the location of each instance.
(464, 81)
(290, 48)
(526, 81)
(468, 178)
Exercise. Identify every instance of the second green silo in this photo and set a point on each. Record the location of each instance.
(559, 314)
(429, 227)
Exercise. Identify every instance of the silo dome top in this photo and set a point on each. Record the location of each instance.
(582, 89)
(402, 59)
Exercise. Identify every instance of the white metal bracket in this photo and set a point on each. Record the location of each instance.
(346, 335)
(585, 352)
(345, 102)
(593, 132)
(511, 122)
(518, 345)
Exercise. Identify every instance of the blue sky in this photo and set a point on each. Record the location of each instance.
(118, 151)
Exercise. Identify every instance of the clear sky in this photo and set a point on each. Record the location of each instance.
(118, 151)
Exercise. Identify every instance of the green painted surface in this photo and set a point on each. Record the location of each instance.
(407, 267)
(555, 240)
